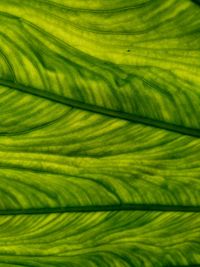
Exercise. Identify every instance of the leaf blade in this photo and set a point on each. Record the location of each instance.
(49, 58)
(125, 238)
(76, 158)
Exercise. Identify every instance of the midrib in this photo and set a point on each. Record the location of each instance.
(101, 110)
(103, 208)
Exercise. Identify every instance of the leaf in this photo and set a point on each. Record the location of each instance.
(99, 133)
(125, 238)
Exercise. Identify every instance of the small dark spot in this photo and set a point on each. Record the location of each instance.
(128, 50)
(196, 2)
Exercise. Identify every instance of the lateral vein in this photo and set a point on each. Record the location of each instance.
(101, 110)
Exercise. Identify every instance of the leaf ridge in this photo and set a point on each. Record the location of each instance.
(101, 110)
(104, 208)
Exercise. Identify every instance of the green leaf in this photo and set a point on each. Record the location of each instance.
(99, 133)
(125, 238)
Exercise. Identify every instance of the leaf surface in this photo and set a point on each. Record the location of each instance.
(99, 133)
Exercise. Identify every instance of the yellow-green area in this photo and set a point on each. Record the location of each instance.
(99, 133)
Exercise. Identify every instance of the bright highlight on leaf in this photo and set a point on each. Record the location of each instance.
(99, 133)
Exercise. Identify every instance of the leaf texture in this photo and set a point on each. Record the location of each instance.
(125, 238)
(99, 133)
(106, 57)
(75, 157)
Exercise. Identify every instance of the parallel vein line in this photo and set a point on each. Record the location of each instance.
(101, 110)
(104, 208)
